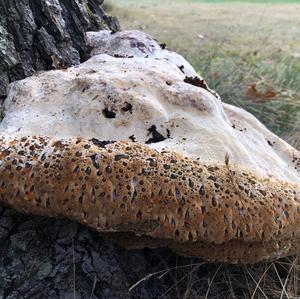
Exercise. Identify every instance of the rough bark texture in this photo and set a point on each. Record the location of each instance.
(33, 30)
(48, 258)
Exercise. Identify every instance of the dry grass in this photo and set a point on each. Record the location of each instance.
(179, 279)
(233, 46)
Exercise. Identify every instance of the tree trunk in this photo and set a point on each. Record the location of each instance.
(51, 258)
(33, 30)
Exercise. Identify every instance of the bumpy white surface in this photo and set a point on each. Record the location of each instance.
(66, 103)
(133, 43)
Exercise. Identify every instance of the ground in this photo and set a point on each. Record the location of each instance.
(248, 51)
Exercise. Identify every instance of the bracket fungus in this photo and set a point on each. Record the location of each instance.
(133, 144)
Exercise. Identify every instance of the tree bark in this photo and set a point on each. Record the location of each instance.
(52, 258)
(33, 30)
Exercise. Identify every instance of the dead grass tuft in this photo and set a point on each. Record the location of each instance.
(191, 279)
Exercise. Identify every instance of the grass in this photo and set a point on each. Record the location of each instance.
(248, 52)
(190, 279)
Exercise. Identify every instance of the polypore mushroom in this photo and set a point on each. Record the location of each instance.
(204, 178)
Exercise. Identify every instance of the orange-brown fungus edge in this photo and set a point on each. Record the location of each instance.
(142, 197)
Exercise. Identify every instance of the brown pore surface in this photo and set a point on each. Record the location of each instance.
(141, 197)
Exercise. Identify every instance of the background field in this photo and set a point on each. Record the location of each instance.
(248, 52)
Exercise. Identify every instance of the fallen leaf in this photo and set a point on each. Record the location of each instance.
(258, 96)
(270, 94)
(252, 91)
